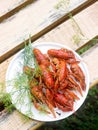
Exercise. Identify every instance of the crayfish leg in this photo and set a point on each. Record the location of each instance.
(72, 94)
(39, 107)
(51, 108)
(63, 108)
(75, 85)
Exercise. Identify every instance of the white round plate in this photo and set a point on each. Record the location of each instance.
(23, 107)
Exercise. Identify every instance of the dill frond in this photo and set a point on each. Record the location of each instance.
(75, 25)
(28, 56)
(62, 4)
(76, 39)
(21, 83)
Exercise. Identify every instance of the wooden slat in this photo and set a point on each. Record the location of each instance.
(9, 7)
(90, 58)
(20, 26)
(16, 121)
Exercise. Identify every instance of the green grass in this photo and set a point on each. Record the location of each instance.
(86, 118)
(88, 46)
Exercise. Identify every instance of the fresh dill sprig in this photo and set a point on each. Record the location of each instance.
(28, 56)
(20, 93)
(75, 24)
(76, 39)
(78, 36)
(30, 60)
(62, 4)
(21, 83)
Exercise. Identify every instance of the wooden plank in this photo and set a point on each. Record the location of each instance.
(9, 7)
(16, 121)
(91, 60)
(19, 27)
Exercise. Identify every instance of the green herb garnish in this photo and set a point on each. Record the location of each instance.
(20, 83)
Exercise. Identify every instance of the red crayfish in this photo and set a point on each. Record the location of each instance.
(60, 77)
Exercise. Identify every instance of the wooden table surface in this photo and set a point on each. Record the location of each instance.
(72, 22)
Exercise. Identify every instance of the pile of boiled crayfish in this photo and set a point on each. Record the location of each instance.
(60, 76)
